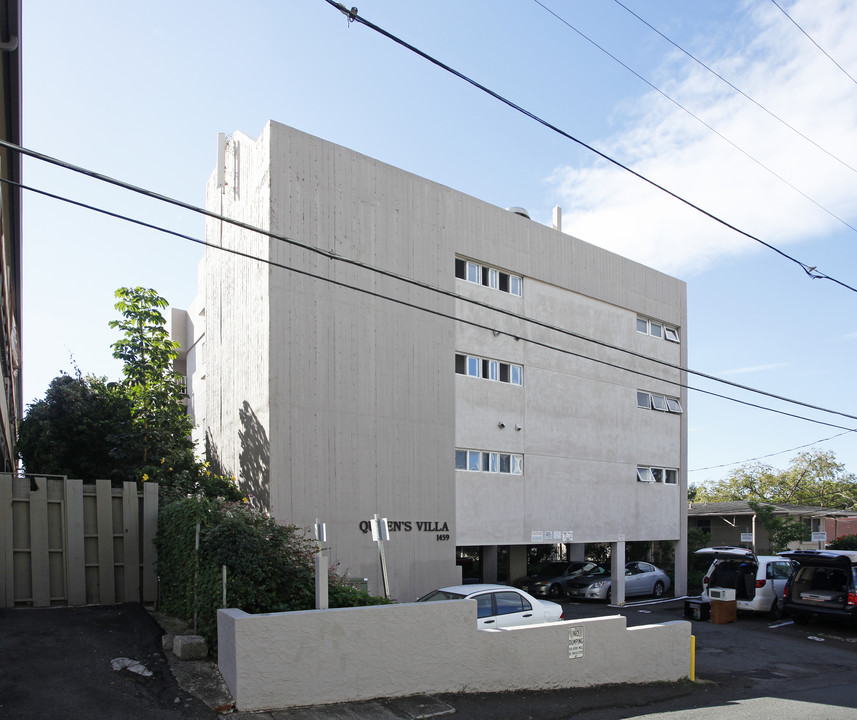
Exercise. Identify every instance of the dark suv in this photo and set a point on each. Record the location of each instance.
(824, 586)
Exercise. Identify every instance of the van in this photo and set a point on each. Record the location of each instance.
(758, 581)
(825, 586)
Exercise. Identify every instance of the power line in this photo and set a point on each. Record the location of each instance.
(773, 454)
(694, 116)
(811, 271)
(395, 276)
(738, 90)
(826, 54)
(440, 291)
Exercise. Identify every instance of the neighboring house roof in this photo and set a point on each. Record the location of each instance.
(742, 507)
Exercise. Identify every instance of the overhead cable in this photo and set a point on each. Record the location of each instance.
(811, 270)
(696, 117)
(739, 91)
(441, 291)
(826, 54)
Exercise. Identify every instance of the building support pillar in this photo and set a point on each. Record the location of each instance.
(517, 562)
(489, 563)
(617, 572)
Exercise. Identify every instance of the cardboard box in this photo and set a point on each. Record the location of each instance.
(724, 611)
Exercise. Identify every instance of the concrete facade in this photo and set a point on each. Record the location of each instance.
(336, 392)
(318, 657)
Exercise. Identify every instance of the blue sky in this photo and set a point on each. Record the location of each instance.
(140, 91)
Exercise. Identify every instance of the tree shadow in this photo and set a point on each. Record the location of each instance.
(255, 457)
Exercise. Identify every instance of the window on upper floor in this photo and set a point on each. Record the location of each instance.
(488, 276)
(665, 476)
(480, 367)
(490, 462)
(653, 401)
(657, 329)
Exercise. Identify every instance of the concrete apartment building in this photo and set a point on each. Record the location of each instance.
(475, 392)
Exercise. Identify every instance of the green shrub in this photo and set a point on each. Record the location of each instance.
(844, 542)
(269, 567)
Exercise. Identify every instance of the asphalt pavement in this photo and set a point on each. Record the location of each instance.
(108, 662)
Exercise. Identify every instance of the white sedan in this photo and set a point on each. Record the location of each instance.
(500, 606)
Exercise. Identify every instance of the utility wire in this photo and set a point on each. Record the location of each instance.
(695, 117)
(422, 308)
(395, 276)
(782, 10)
(738, 90)
(779, 452)
(811, 271)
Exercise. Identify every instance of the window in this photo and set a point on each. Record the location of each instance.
(488, 276)
(488, 369)
(510, 602)
(490, 462)
(657, 329)
(665, 476)
(662, 403)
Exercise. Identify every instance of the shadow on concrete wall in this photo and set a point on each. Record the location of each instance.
(255, 456)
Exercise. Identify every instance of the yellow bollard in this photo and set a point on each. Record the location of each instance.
(693, 658)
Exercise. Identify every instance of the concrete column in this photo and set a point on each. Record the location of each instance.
(517, 562)
(681, 566)
(575, 551)
(321, 593)
(617, 572)
(489, 563)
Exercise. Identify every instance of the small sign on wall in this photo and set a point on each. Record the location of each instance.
(747, 537)
(819, 537)
(575, 642)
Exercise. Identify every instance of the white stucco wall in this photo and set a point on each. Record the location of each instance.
(327, 656)
(332, 403)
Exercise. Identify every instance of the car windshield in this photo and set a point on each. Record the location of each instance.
(436, 595)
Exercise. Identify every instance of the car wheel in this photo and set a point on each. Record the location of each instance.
(776, 612)
(658, 590)
(555, 590)
(800, 619)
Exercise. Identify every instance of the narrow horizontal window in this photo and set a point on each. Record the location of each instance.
(488, 277)
(491, 462)
(488, 369)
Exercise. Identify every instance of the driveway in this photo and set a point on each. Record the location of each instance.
(92, 662)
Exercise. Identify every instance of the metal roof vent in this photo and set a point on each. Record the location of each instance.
(519, 211)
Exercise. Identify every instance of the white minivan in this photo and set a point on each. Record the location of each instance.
(758, 580)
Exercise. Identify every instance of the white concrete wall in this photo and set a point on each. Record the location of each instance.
(334, 404)
(317, 657)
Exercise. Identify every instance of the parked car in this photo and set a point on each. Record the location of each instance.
(824, 586)
(758, 580)
(641, 578)
(551, 579)
(500, 606)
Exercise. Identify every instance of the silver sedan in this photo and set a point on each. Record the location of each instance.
(641, 578)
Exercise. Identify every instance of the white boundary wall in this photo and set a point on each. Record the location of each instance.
(315, 657)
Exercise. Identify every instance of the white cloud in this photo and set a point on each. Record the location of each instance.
(753, 369)
(780, 69)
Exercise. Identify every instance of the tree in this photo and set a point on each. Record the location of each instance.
(82, 428)
(781, 531)
(154, 388)
(813, 478)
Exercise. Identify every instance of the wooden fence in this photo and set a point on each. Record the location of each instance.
(63, 542)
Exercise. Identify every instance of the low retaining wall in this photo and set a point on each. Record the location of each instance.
(316, 657)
